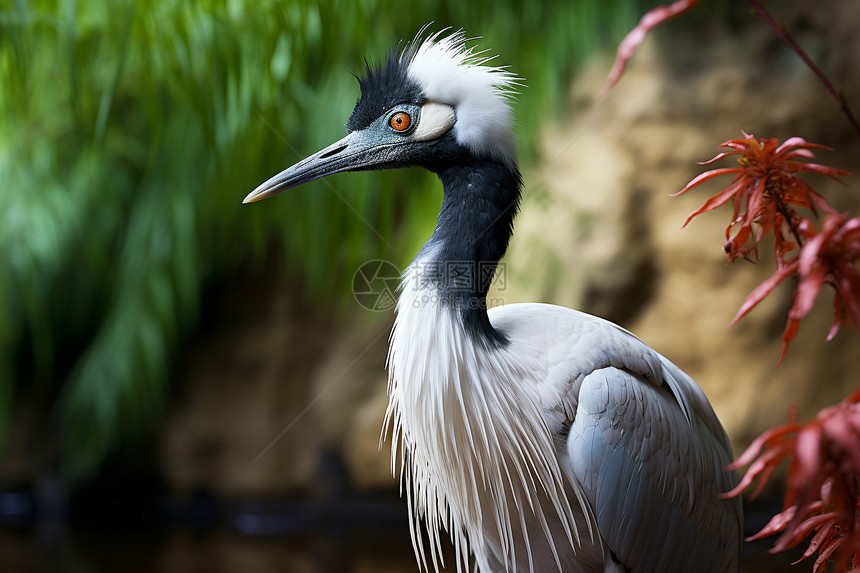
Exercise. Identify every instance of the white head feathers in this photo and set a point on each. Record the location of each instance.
(453, 74)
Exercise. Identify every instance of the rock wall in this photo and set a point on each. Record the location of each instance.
(276, 384)
(612, 166)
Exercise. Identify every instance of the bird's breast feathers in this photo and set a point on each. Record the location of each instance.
(477, 427)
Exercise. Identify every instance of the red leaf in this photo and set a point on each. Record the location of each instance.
(831, 172)
(792, 325)
(718, 156)
(651, 19)
(821, 497)
(793, 142)
(762, 290)
(807, 291)
(759, 443)
(797, 533)
(816, 541)
(776, 524)
(707, 175)
(714, 202)
(767, 186)
(824, 556)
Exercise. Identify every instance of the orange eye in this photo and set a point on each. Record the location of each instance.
(400, 121)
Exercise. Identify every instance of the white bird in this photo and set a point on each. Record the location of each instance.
(541, 438)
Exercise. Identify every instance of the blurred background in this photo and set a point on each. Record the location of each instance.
(189, 384)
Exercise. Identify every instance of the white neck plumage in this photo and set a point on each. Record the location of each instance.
(472, 443)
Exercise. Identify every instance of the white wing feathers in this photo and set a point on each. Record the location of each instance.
(654, 484)
(644, 445)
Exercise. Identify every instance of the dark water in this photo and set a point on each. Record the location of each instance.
(160, 535)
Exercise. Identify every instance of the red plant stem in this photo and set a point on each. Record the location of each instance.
(786, 37)
(786, 213)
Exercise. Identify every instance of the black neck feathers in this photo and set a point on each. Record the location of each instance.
(480, 201)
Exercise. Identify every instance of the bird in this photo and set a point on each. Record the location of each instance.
(539, 437)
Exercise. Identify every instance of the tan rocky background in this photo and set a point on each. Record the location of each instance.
(271, 384)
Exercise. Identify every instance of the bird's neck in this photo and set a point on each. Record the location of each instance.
(465, 418)
(475, 223)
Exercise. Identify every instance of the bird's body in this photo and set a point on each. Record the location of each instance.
(573, 415)
(539, 437)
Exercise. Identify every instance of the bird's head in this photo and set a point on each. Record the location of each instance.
(436, 103)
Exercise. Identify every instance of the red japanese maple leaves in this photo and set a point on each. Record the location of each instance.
(765, 193)
(822, 487)
(821, 496)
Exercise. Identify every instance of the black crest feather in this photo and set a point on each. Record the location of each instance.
(382, 87)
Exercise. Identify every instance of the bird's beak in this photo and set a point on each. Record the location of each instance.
(354, 152)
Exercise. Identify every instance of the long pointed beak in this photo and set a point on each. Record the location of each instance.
(351, 153)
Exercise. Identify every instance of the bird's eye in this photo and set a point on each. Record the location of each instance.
(400, 121)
